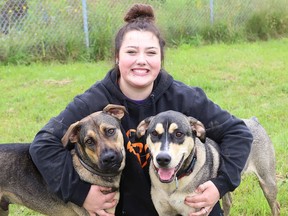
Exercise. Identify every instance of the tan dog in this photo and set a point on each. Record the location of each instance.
(98, 157)
(180, 161)
(261, 162)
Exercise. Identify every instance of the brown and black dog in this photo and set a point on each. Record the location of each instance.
(98, 157)
(182, 158)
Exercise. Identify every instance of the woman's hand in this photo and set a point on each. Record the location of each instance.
(207, 195)
(97, 201)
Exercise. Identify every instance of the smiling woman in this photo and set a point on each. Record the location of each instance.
(140, 83)
(139, 64)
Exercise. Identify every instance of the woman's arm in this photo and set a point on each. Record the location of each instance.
(53, 160)
(232, 135)
(234, 140)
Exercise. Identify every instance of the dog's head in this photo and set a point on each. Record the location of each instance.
(99, 141)
(170, 138)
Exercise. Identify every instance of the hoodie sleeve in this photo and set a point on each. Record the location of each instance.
(53, 161)
(232, 135)
(55, 164)
(234, 139)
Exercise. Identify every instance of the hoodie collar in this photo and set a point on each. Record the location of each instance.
(161, 84)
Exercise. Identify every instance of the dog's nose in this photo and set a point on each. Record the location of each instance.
(163, 159)
(110, 159)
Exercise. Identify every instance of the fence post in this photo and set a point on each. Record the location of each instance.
(212, 12)
(85, 23)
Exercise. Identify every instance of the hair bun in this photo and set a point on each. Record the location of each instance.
(140, 11)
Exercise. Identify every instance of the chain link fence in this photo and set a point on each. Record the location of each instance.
(84, 29)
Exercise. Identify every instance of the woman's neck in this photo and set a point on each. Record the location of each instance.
(134, 93)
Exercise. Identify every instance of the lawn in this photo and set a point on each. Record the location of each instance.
(247, 79)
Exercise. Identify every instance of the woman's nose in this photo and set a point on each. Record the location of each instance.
(141, 60)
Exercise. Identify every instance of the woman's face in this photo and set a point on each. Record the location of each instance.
(139, 63)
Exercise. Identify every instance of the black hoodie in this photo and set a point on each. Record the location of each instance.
(55, 163)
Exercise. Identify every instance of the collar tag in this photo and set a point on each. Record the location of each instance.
(176, 182)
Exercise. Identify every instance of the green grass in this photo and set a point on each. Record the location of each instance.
(247, 79)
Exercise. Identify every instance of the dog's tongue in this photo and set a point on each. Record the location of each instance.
(165, 174)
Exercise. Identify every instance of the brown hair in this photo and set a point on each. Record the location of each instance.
(140, 17)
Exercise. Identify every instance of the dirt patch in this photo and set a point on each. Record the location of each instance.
(57, 82)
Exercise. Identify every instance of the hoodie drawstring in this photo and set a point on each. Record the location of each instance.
(152, 96)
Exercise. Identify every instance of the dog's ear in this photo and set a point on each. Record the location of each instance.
(117, 111)
(142, 126)
(71, 136)
(198, 128)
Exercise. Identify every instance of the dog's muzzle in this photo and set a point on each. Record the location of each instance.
(166, 175)
(110, 163)
(110, 160)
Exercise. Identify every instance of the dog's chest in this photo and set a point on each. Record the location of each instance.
(170, 201)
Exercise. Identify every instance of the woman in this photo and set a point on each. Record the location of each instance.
(139, 82)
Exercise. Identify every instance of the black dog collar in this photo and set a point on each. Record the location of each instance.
(189, 169)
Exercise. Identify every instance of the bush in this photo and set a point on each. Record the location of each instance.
(216, 33)
(265, 25)
(53, 30)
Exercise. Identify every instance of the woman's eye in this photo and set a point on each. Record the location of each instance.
(131, 52)
(151, 53)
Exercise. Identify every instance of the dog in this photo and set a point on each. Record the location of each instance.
(182, 158)
(261, 162)
(100, 164)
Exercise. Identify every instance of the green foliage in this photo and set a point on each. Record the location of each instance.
(216, 33)
(56, 28)
(265, 25)
(103, 31)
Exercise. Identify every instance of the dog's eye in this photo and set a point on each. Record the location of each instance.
(179, 134)
(89, 142)
(110, 131)
(154, 133)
